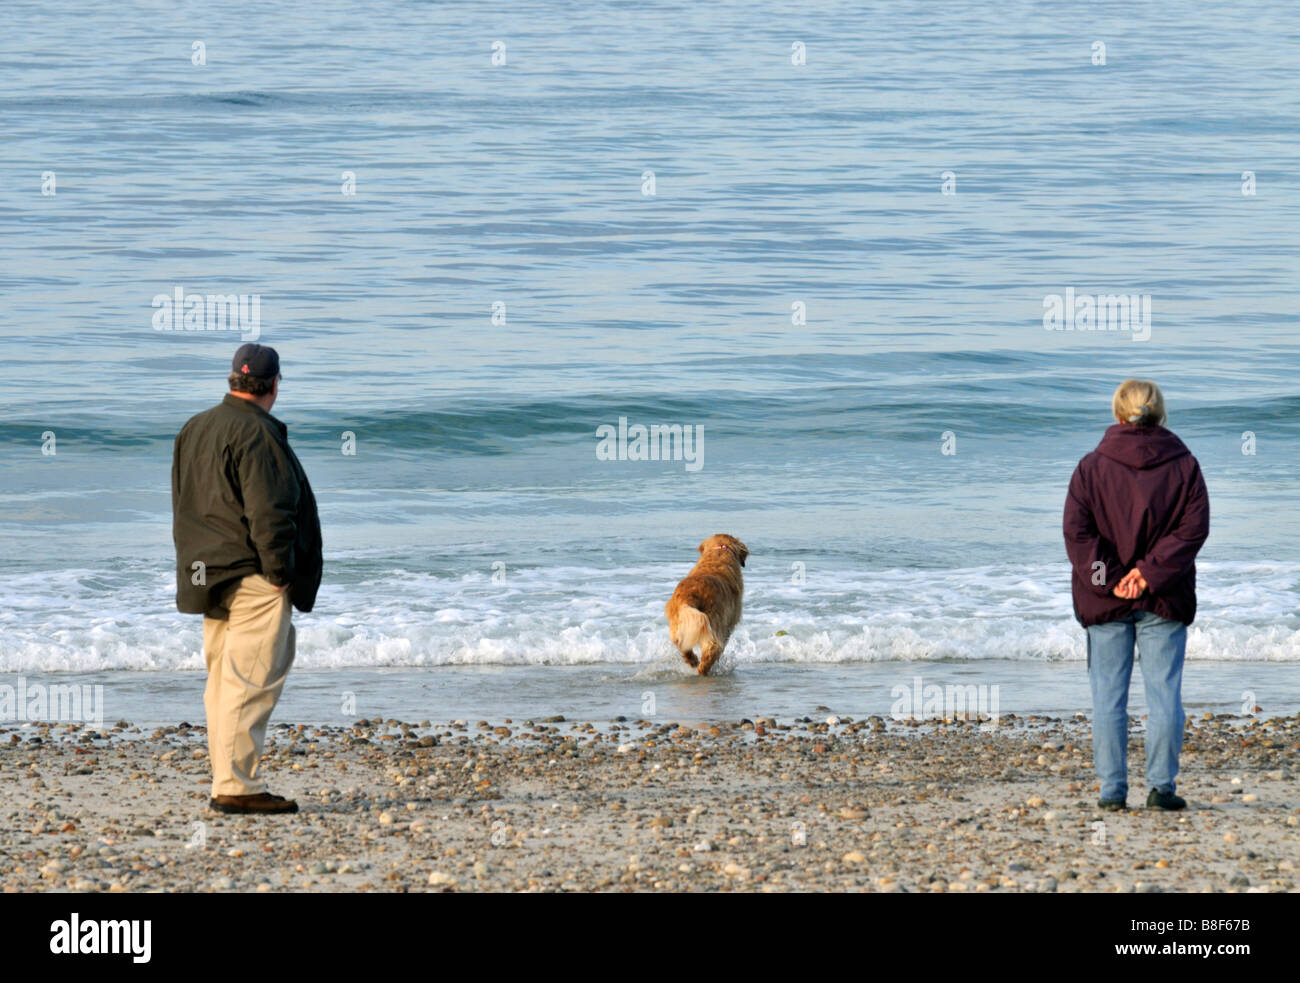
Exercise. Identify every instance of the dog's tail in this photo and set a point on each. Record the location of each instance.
(692, 628)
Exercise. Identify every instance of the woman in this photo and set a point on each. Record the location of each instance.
(1135, 517)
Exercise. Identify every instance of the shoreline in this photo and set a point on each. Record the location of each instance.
(794, 804)
(337, 696)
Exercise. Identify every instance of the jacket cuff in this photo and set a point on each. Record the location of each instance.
(1112, 581)
(1153, 583)
(277, 575)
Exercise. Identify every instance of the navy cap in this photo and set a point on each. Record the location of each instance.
(260, 361)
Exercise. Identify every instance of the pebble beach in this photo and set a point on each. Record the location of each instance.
(816, 803)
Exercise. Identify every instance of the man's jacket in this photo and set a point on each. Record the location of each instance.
(241, 504)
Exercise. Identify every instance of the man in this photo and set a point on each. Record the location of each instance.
(248, 545)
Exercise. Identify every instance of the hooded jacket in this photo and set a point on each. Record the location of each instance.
(241, 504)
(1138, 500)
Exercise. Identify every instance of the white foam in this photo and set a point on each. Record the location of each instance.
(79, 620)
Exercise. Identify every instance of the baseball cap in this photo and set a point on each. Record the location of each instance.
(260, 361)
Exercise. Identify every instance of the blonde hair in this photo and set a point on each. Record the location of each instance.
(1139, 401)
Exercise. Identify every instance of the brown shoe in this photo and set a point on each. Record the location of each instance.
(262, 802)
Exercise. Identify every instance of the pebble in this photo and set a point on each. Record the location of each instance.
(559, 805)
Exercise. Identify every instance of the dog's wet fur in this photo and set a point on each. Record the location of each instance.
(705, 608)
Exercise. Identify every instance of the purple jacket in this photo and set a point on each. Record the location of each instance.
(1138, 500)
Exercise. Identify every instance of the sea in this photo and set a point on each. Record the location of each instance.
(817, 248)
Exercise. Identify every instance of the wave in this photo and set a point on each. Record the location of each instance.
(885, 396)
(78, 621)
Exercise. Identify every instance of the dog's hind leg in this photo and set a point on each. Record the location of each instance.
(709, 654)
(691, 629)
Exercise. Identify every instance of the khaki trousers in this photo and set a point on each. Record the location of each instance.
(249, 652)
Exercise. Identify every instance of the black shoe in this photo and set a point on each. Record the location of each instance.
(1165, 800)
(1113, 805)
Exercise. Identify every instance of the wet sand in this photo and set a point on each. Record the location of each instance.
(769, 805)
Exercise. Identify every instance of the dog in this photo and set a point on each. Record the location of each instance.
(705, 608)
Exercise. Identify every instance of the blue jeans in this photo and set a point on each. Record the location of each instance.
(1161, 645)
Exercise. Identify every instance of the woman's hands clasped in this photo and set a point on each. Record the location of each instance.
(1132, 586)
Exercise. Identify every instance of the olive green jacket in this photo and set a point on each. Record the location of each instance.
(241, 504)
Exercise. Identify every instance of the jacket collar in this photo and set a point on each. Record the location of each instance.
(1141, 447)
(248, 406)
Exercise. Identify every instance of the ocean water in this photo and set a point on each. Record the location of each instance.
(877, 408)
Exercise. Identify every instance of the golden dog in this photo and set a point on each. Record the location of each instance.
(705, 608)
